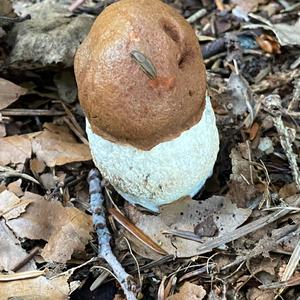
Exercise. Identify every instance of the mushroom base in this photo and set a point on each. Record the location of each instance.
(167, 172)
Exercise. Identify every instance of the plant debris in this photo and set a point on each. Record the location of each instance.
(238, 238)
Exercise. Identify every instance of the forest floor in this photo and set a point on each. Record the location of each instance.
(239, 236)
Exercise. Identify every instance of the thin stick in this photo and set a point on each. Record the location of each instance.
(235, 234)
(286, 140)
(197, 15)
(31, 112)
(26, 259)
(291, 266)
(104, 250)
(75, 130)
(75, 4)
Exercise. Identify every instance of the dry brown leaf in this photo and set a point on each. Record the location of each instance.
(57, 146)
(37, 166)
(243, 7)
(2, 187)
(66, 229)
(140, 235)
(48, 181)
(11, 206)
(257, 294)
(39, 288)
(240, 165)
(14, 149)
(288, 190)
(9, 93)
(189, 291)
(6, 8)
(185, 215)
(2, 130)
(268, 44)
(11, 251)
(15, 187)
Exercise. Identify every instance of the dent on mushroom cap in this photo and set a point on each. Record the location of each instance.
(120, 101)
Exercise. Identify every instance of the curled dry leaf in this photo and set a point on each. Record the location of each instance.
(268, 44)
(185, 215)
(36, 288)
(11, 252)
(9, 93)
(11, 206)
(66, 229)
(189, 291)
(57, 146)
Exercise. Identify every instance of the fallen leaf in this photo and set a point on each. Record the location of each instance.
(288, 190)
(11, 206)
(136, 231)
(189, 291)
(268, 44)
(39, 288)
(287, 35)
(9, 93)
(48, 181)
(37, 166)
(14, 149)
(243, 7)
(57, 146)
(185, 215)
(15, 187)
(242, 98)
(241, 169)
(2, 130)
(66, 229)
(11, 251)
(257, 294)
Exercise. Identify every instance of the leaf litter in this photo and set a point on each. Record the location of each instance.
(239, 237)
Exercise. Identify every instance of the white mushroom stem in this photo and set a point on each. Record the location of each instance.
(167, 172)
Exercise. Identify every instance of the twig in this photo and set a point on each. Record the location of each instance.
(8, 172)
(5, 21)
(21, 275)
(104, 249)
(250, 160)
(26, 259)
(75, 4)
(75, 130)
(31, 112)
(73, 119)
(286, 140)
(235, 234)
(139, 234)
(291, 267)
(294, 103)
(213, 48)
(197, 15)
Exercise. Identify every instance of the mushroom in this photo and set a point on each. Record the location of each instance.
(142, 85)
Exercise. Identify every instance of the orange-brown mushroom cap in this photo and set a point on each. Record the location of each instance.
(122, 103)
